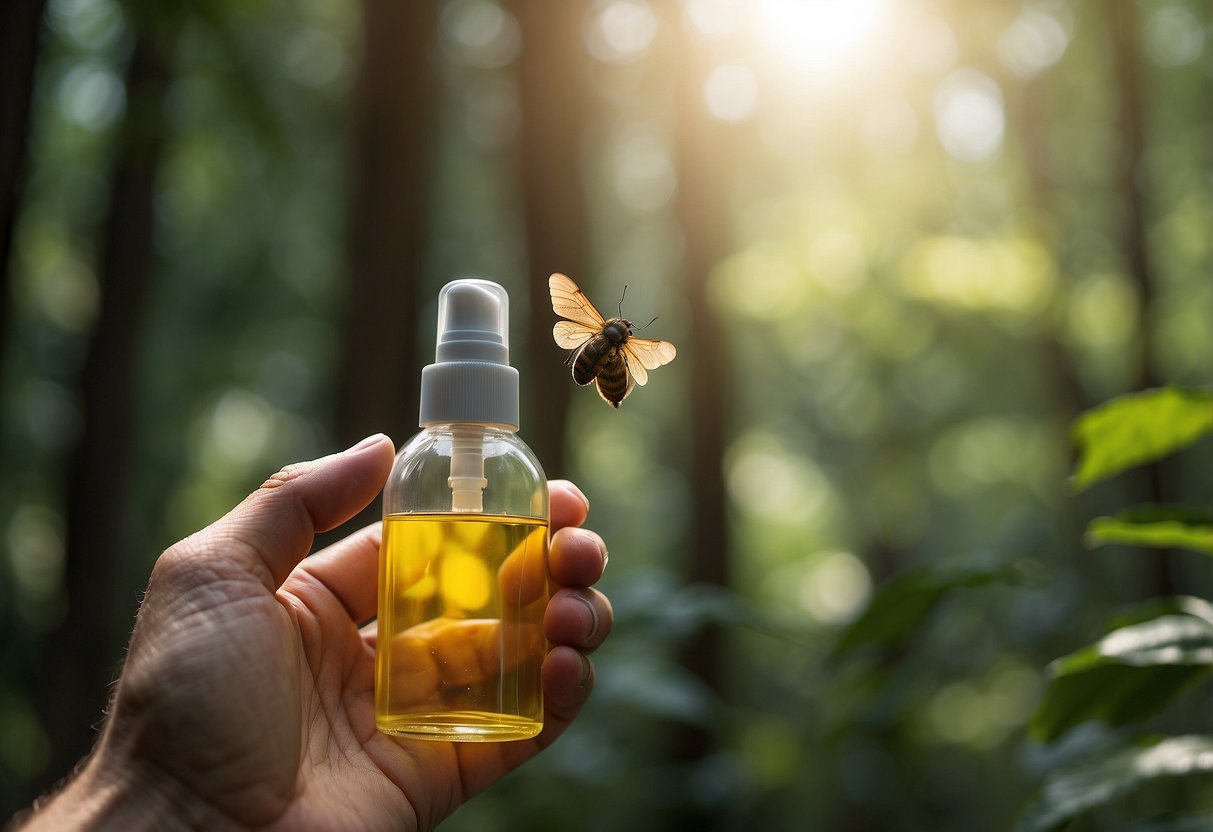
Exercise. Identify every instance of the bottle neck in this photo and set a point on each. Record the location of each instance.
(488, 428)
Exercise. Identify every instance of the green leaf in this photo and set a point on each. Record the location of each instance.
(899, 607)
(1130, 674)
(1139, 428)
(1097, 781)
(1165, 605)
(1162, 526)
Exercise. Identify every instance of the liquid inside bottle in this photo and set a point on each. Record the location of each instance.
(460, 632)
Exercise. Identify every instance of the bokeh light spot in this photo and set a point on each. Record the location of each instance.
(1173, 37)
(716, 18)
(1032, 43)
(969, 116)
(91, 96)
(731, 92)
(480, 34)
(835, 588)
(623, 30)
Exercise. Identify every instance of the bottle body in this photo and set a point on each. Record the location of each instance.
(463, 586)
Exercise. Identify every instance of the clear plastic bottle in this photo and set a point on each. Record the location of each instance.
(463, 580)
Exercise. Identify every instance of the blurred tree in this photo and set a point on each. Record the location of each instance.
(87, 645)
(1131, 181)
(393, 148)
(553, 97)
(705, 149)
(20, 24)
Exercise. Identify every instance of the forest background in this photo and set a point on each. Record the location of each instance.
(901, 247)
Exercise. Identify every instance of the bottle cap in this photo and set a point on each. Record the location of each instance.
(471, 379)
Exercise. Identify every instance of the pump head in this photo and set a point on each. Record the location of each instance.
(471, 379)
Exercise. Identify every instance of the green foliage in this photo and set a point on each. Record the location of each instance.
(1107, 777)
(1151, 654)
(1131, 673)
(1177, 527)
(1139, 428)
(901, 606)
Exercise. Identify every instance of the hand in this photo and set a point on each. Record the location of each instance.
(247, 695)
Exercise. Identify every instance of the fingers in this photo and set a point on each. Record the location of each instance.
(272, 530)
(568, 678)
(579, 618)
(569, 506)
(577, 557)
(348, 569)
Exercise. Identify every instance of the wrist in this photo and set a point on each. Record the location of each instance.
(112, 791)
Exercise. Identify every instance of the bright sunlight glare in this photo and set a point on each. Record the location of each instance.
(816, 35)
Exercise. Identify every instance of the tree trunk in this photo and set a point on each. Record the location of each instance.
(552, 90)
(704, 176)
(1130, 173)
(20, 27)
(393, 143)
(85, 651)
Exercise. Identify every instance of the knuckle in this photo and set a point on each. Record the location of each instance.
(176, 562)
(285, 475)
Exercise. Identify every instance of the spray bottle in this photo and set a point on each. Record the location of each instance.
(463, 565)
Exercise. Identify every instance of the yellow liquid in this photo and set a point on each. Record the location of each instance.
(460, 641)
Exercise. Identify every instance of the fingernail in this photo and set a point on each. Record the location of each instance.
(373, 439)
(586, 669)
(589, 605)
(599, 544)
(579, 494)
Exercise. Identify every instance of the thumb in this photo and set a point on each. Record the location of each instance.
(273, 528)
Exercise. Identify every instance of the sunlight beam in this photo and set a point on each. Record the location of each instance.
(816, 36)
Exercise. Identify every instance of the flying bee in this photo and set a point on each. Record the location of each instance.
(600, 350)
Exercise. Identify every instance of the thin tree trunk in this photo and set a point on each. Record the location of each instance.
(85, 651)
(1130, 173)
(393, 147)
(702, 207)
(1068, 392)
(552, 90)
(20, 27)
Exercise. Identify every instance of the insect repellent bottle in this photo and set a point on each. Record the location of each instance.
(463, 579)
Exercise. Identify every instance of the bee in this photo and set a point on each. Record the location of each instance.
(600, 350)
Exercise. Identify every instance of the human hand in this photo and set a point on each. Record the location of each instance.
(247, 695)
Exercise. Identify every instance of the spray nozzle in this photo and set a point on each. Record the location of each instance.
(471, 383)
(473, 323)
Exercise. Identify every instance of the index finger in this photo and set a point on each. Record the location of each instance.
(569, 505)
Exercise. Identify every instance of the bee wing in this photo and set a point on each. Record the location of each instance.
(570, 335)
(647, 354)
(568, 301)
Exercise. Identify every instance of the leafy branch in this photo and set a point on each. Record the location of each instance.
(1154, 653)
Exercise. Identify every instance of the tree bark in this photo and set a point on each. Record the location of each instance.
(552, 77)
(85, 651)
(20, 27)
(393, 144)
